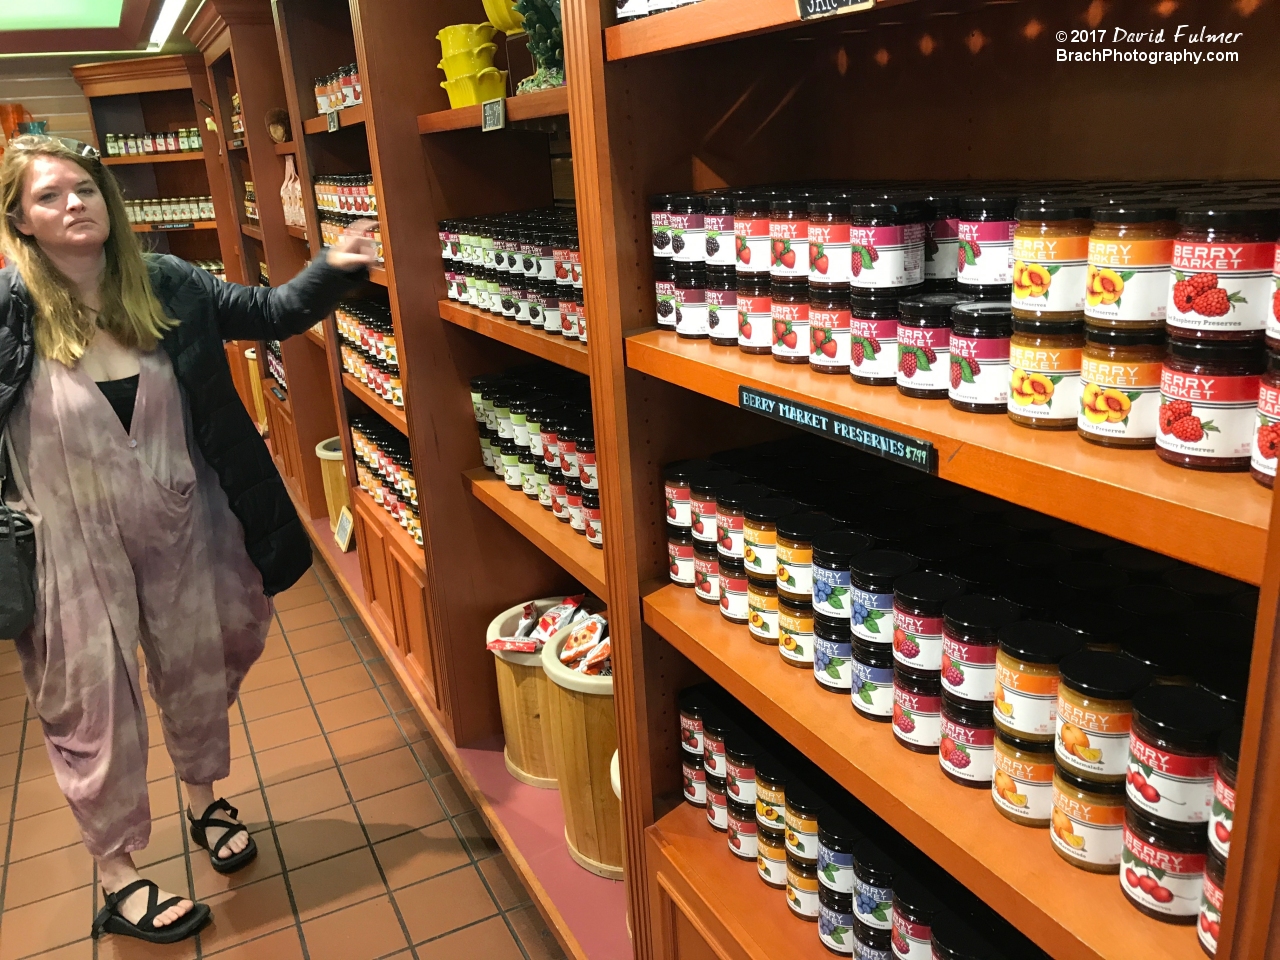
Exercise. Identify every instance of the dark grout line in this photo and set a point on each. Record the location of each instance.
(186, 851)
(13, 806)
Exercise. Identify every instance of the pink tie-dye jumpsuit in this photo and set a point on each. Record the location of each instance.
(136, 546)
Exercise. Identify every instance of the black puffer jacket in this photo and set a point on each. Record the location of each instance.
(208, 312)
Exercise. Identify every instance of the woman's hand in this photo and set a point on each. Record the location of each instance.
(353, 249)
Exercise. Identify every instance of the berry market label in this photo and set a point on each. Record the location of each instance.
(968, 669)
(1266, 438)
(1171, 786)
(829, 338)
(751, 243)
(733, 599)
(873, 905)
(717, 809)
(695, 784)
(1044, 383)
(1022, 789)
(743, 836)
(802, 893)
(706, 579)
(718, 231)
(872, 689)
(772, 869)
(1207, 416)
(1092, 743)
(1208, 927)
(941, 249)
(833, 664)
(1088, 833)
(910, 941)
(722, 314)
(871, 616)
(688, 237)
(1273, 314)
(755, 315)
(666, 300)
(760, 551)
(835, 930)
(873, 349)
(729, 536)
(1025, 702)
(1162, 880)
(887, 258)
(795, 636)
(985, 252)
(1221, 286)
(924, 357)
(1221, 815)
(831, 596)
(795, 569)
(917, 719)
(703, 515)
(790, 329)
(898, 447)
(691, 735)
(835, 869)
(1119, 399)
(979, 370)
(813, 9)
(680, 557)
(1049, 274)
(830, 253)
(917, 641)
(740, 781)
(802, 838)
(967, 752)
(789, 248)
(1128, 280)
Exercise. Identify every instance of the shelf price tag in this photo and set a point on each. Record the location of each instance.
(813, 9)
(493, 115)
(331, 121)
(184, 225)
(898, 447)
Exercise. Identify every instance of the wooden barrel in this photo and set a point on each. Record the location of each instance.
(523, 700)
(585, 736)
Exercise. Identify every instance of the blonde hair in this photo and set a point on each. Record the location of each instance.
(64, 325)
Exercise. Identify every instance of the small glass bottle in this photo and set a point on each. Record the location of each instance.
(1044, 378)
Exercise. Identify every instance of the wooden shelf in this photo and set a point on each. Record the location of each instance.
(392, 414)
(394, 531)
(528, 106)
(567, 353)
(1012, 868)
(346, 118)
(557, 540)
(1213, 520)
(286, 148)
(299, 232)
(378, 275)
(249, 230)
(175, 227)
(152, 158)
(315, 338)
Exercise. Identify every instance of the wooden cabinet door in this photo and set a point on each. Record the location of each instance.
(410, 585)
(373, 563)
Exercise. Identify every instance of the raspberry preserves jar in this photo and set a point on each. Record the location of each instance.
(924, 344)
(742, 831)
(706, 574)
(918, 603)
(970, 628)
(1266, 435)
(1120, 386)
(887, 245)
(1027, 677)
(717, 803)
(1208, 403)
(675, 476)
(1044, 373)
(1050, 258)
(695, 780)
(966, 750)
(1223, 812)
(1162, 867)
(914, 910)
(917, 708)
(979, 345)
(1130, 251)
(985, 255)
(941, 242)
(873, 341)
(1220, 282)
(693, 703)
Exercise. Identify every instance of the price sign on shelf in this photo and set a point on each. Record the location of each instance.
(331, 121)
(493, 115)
(813, 9)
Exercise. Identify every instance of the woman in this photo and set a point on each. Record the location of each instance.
(160, 519)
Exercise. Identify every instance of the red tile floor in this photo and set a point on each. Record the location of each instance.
(368, 847)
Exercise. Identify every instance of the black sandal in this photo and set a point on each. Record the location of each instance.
(222, 864)
(110, 920)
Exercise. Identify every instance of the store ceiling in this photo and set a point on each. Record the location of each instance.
(73, 26)
(62, 15)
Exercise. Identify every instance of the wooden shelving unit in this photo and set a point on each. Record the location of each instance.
(346, 118)
(567, 353)
(529, 106)
(286, 148)
(298, 232)
(153, 158)
(378, 275)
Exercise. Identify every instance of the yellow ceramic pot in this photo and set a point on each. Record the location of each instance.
(462, 37)
(467, 91)
(502, 13)
(469, 61)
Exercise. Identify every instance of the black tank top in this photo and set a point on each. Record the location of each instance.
(121, 394)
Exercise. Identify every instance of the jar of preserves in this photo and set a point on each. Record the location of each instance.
(771, 857)
(887, 236)
(1022, 779)
(1209, 925)
(835, 920)
(829, 329)
(686, 218)
(717, 804)
(941, 242)
(790, 316)
(837, 838)
(722, 305)
(833, 654)
(1044, 373)
(693, 703)
(1027, 677)
(966, 750)
(802, 888)
(924, 345)
(573, 497)
(1223, 812)
(914, 910)
(873, 874)
(741, 752)
(1220, 284)
(918, 603)
(702, 502)
(1087, 829)
(664, 288)
(718, 232)
(715, 729)
(869, 943)
(871, 683)
(795, 632)
(803, 807)
(762, 610)
(789, 238)
(706, 573)
(873, 341)
(829, 247)
(1130, 251)
(872, 576)
(1173, 752)
(1120, 386)
(1051, 257)
(1162, 867)
(755, 314)
(675, 479)
(742, 832)
(760, 536)
(751, 236)
(833, 551)
(986, 228)
(588, 470)
(917, 709)
(979, 349)
(794, 552)
(1208, 403)
(733, 590)
(970, 628)
(730, 516)
(691, 301)
(695, 780)
(1095, 712)
(771, 793)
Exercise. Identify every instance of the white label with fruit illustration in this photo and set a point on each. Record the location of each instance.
(717, 808)
(1026, 702)
(985, 252)
(755, 321)
(1119, 399)
(872, 616)
(1161, 880)
(691, 312)
(1021, 788)
(917, 641)
(722, 314)
(1050, 273)
(713, 757)
(790, 329)
(802, 893)
(706, 578)
(835, 930)
(679, 513)
(917, 719)
(835, 869)
(743, 837)
(661, 233)
(1171, 786)
(720, 240)
(979, 369)
(873, 348)
(702, 514)
(1221, 815)
(830, 253)
(762, 615)
(688, 237)
(872, 689)
(802, 837)
(680, 557)
(1273, 312)
(967, 752)
(772, 869)
(1087, 832)
(1266, 438)
(829, 337)
(924, 357)
(941, 243)
(1091, 742)
(795, 636)
(789, 248)
(910, 941)
(691, 735)
(740, 782)
(885, 258)
(1221, 286)
(729, 535)
(795, 569)
(1207, 416)
(968, 669)
(1044, 383)
(831, 592)
(771, 811)
(760, 552)
(1209, 923)
(733, 598)
(751, 243)
(695, 783)
(833, 664)
(1128, 280)
(873, 905)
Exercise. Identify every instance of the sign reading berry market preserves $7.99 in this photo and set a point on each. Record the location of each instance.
(812, 9)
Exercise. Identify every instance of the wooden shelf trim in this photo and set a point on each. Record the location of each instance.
(1212, 520)
(1012, 868)
(528, 106)
(557, 540)
(378, 275)
(392, 414)
(395, 532)
(152, 158)
(315, 337)
(567, 353)
(249, 230)
(287, 147)
(346, 118)
(299, 232)
(185, 225)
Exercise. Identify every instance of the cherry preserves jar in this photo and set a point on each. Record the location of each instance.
(1162, 867)
(1208, 403)
(1223, 812)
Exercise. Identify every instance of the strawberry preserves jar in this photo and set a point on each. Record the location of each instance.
(1220, 285)
(1051, 258)
(1266, 434)
(1208, 403)
(830, 251)
(1223, 812)
(755, 313)
(751, 237)
(829, 329)
(790, 315)
(1130, 252)
(966, 750)
(789, 238)
(918, 603)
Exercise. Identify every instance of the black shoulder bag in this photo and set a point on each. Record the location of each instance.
(17, 563)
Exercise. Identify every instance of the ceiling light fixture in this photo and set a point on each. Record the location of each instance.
(165, 22)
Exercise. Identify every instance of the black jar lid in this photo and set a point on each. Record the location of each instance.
(694, 701)
(913, 900)
(768, 509)
(711, 482)
(984, 574)
(1152, 600)
(740, 744)
(1133, 211)
(719, 204)
(1083, 575)
(935, 552)
(1187, 717)
(834, 629)
(803, 527)
(952, 939)
(1231, 216)
(992, 316)
(662, 201)
(1229, 750)
(1048, 328)
(968, 713)
(1120, 337)
(683, 470)
(990, 207)
(1035, 641)
(688, 203)
(771, 770)
(872, 865)
(1252, 355)
(873, 653)
(1166, 661)
(1101, 787)
(829, 206)
(1202, 584)
(1053, 208)
(835, 549)
(881, 566)
(1226, 679)
(744, 812)
(1106, 676)
(977, 613)
(803, 800)
(932, 308)
(1098, 624)
(836, 833)
(887, 210)
(873, 308)
(941, 205)
(798, 203)
(715, 723)
(738, 495)
(681, 535)
(751, 205)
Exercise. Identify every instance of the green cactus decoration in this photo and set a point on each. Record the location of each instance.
(546, 43)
